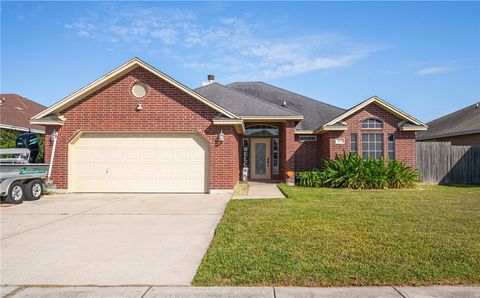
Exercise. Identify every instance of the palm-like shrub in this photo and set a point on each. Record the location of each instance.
(400, 176)
(311, 178)
(351, 171)
(344, 171)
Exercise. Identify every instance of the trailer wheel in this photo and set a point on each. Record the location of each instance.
(16, 193)
(33, 190)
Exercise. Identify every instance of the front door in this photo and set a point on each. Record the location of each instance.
(260, 161)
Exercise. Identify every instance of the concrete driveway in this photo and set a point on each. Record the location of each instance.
(107, 239)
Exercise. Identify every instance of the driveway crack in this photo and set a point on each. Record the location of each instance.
(146, 292)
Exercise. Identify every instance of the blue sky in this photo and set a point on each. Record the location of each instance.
(423, 57)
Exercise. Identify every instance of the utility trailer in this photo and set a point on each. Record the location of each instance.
(20, 179)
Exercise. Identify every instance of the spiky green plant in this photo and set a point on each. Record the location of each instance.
(311, 179)
(400, 175)
(351, 171)
(344, 170)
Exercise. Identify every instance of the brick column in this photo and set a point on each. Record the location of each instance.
(290, 151)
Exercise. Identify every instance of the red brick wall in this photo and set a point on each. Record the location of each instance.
(404, 141)
(307, 154)
(165, 109)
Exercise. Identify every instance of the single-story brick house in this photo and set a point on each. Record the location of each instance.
(138, 130)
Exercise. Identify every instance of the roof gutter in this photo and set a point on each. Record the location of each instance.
(237, 124)
(447, 135)
(20, 128)
(327, 128)
(46, 121)
(272, 118)
(304, 132)
(414, 128)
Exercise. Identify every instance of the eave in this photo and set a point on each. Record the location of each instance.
(237, 124)
(413, 128)
(21, 128)
(304, 132)
(271, 118)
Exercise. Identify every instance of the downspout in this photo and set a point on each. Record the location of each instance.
(54, 138)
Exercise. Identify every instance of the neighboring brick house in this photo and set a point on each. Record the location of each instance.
(15, 113)
(138, 130)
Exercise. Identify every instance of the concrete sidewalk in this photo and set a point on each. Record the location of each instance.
(261, 190)
(270, 292)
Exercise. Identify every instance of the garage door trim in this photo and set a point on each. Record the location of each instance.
(79, 134)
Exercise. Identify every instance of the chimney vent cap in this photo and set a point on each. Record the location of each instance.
(211, 77)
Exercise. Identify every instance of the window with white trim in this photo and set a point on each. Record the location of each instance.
(307, 138)
(391, 146)
(372, 124)
(353, 143)
(275, 159)
(372, 145)
(261, 130)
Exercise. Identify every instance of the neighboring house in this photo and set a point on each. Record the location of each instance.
(16, 111)
(461, 127)
(138, 130)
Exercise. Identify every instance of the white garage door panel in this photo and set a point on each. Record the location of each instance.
(102, 162)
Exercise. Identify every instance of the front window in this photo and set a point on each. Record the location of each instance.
(372, 145)
(372, 124)
(353, 144)
(261, 130)
(391, 146)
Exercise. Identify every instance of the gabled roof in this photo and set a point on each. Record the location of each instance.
(15, 112)
(409, 122)
(119, 71)
(244, 105)
(461, 122)
(316, 113)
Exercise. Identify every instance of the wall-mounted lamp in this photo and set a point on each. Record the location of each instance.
(221, 136)
(54, 135)
(139, 107)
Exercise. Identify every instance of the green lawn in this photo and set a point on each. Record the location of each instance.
(338, 237)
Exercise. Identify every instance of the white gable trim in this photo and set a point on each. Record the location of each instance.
(381, 103)
(109, 77)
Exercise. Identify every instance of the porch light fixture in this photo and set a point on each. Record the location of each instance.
(221, 136)
(54, 135)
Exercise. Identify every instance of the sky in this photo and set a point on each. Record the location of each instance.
(422, 57)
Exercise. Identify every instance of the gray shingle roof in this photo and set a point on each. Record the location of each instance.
(242, 104)
(316, 113)
(461, 122)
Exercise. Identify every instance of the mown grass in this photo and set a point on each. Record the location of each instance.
(339, 237)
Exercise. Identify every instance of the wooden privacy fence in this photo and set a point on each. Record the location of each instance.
(441, 162)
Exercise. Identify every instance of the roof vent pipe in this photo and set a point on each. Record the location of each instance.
(477, 105)
(210, 79)
(284, 103)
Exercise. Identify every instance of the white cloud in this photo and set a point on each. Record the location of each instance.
(434, 70)
(235, 48)
(83, 33)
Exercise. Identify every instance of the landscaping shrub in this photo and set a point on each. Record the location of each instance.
(351, 171)
(400, 175)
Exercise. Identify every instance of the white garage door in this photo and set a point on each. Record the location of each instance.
(136, 162)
